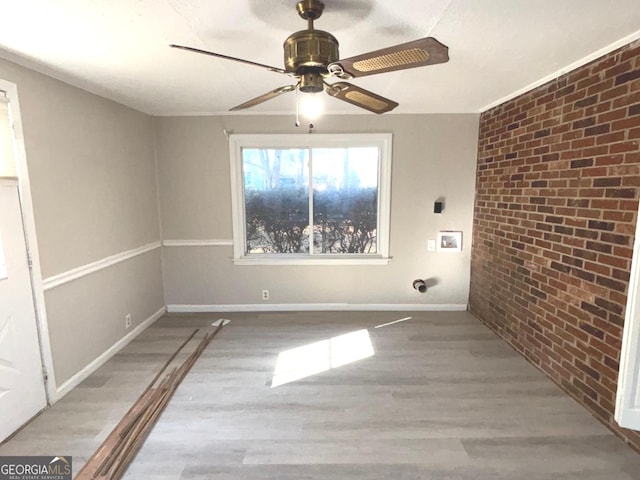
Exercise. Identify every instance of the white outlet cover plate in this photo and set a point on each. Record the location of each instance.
(431, 245)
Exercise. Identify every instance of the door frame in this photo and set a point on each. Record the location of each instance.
(627, 411)
(28, 220)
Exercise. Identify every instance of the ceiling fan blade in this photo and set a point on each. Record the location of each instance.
(418, 53)
(360, 97)
(263, 98)
(227, 57)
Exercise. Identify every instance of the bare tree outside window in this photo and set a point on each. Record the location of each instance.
(276, 184)
(345, 205)
(342, 192)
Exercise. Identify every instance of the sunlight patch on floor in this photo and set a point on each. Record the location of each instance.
(302, 362)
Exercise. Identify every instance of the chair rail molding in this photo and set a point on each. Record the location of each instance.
(84, 270)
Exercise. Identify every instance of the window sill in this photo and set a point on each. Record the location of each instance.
(307, 260)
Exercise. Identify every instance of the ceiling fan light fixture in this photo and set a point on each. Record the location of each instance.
(310, 105)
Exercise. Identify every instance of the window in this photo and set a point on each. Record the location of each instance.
(310, 199)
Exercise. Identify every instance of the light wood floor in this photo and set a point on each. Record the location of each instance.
(442, 398)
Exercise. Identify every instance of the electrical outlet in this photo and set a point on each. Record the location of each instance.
(265, 294)
(431, 245)
(127, 321)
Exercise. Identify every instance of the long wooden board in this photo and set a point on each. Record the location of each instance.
(112, 458)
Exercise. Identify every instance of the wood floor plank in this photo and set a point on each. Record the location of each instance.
(441, 398)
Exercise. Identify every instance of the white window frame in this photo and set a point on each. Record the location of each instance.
(343, 140)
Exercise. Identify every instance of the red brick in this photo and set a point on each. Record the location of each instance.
(558, 184)
(614, 92)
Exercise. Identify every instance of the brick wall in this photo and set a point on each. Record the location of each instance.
(556, 200)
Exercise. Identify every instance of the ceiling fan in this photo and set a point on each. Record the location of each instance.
(312, 55)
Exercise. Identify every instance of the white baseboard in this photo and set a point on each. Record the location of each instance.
(310, 307)
(73, 382)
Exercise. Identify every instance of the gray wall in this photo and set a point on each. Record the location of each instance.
(93, 181)
(433, 156)
(92, 173)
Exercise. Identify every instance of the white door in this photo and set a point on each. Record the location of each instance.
(628, 396)
(22, 389)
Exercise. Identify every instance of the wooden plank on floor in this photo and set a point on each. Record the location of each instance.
(112, 458)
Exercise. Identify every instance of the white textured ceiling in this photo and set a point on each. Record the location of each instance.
(119, 48)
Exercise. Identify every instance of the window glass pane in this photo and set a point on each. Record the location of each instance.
(276, 196)
(345, 200)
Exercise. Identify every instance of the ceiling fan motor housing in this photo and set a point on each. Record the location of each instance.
(310, 51)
